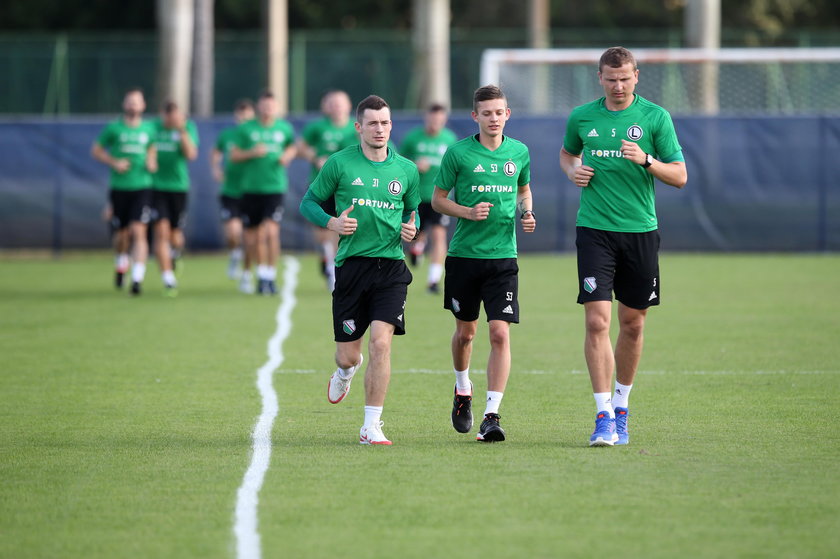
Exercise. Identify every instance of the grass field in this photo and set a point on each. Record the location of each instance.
(125, 425)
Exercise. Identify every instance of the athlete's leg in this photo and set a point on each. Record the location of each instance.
(628, 347)
(498, 364)
(462, 343)
(378, 372)
(597, 347)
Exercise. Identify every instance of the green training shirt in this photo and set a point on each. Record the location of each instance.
(326, 138)
(172, 174)
(417, 144)
(477, 174)
(380, 194)
(265, 175)
(128, 142)
(232, 185)
(620, 196)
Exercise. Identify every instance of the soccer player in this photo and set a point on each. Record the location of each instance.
(489, 174)
(613, 149)
(176, 143)
(425, 145)
(376, 192)
(320, 139)
(125, 145)
(230, 177)
(267, 146)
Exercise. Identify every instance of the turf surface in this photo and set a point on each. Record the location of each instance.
(126, 423)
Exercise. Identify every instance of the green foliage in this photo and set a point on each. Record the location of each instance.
(125, 425)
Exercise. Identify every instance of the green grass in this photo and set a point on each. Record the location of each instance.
(125, 425)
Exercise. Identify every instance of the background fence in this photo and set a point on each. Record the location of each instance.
(755, 184)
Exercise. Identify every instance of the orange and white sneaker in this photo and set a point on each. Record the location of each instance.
(339, 386)
(373, 435)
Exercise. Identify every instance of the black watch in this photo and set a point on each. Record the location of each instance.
(528, 212)
(648, 161)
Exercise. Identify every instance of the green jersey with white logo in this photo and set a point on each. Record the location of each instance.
(477, 174)
(232, 185)
(132, 143)
(326, 138)
(417, 144)
(379, 192)
(172, 174)
(620, 196)
(265, 175)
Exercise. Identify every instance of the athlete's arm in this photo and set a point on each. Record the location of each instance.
(673, 174)
(575, 170)
(525, 208)
(188, 147)
(101, 154)
(237, 154)
(151, 159)
(216, 157)
(442, 204)
(288, 155)
(310, 208)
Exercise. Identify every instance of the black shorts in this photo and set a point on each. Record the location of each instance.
(429, 217)
(130, 205)
(368, 289)
(228, 208)
(624, 263)
(256, 208)
(170, 206)
(469, 281)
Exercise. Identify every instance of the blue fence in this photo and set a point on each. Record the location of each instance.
(755, 184)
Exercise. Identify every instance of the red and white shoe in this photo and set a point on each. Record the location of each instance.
(338, 387)
(373, 435)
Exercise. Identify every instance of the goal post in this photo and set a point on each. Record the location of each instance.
(686, 81)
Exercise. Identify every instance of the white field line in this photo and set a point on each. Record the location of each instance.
(245, 526)
(579, 372)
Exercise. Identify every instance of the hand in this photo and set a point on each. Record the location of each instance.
(121, 165)
(218, 175)
(632, 151)
(343, 224)
(409, 230)
(423, 165)
(259, 150)
(583, 174)
(480, 211)
(529, 222)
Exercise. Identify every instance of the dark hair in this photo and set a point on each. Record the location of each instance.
(486, 93)
(169, 106)
(616, 57)
(134, 89)
(265, 94)
(242, 104)
(372, 102)
(329, 92)
(436, 108)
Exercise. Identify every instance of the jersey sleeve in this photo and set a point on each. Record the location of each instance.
(525, 173)
(106, 137)
(326, 182)
(448, 170)
(667, 146)
(310, 134)
(290, 134)
(572, 142)
(407, 146)
(192, 130)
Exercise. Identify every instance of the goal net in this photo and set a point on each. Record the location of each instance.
(685, 81)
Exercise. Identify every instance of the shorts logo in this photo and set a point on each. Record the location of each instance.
(395, 187)
(349, 326)
(652, 296)
(400, 317)
(456, 305)
(635, 132)
(509, 168)
(508, 310)
(589, 284)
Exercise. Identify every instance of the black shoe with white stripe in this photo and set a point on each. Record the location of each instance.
(490, 431)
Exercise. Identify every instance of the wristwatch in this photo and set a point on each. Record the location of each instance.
(648, 161)
(528, 212)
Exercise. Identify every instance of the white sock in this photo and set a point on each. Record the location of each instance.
(462, 381)
(262, 272)
(272, 273)
(494, 400)
(603, 402)
(122, 262)
(435, 273)
(622, 395)
(169, 278)
(372, 415)
(138, 271)
(349, 371)
(236, 254)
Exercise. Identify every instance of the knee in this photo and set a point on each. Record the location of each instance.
(597, 323)
(464, 336)
(499, 335)
(633, 328)
(379, 346)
